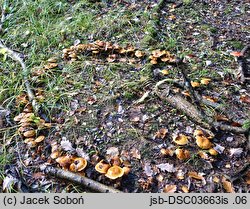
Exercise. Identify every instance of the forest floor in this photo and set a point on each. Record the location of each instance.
(98, 101)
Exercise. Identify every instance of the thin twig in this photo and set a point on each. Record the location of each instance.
(15, 56)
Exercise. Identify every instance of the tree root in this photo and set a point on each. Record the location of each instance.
(15, 56)
(178, 102)
(81, 180)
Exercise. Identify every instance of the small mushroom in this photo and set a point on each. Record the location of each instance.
(30, 133)
(39, 139)
(65, 161)
(182, 154)
(203, 142)
(180, 139)
(212, 151)
(78, 164)
(114, 172)
(102, 167)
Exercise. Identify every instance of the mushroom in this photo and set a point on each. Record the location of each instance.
(78, 164)
(203, 142)
(39, 139)
(30, 133)
(180, 139)
(212, 151)
(65, 161)
(182, 154)
(102, 167)
(114, 172)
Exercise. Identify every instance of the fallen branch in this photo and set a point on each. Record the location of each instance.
(15, 56)
(178, 102)
(81, 180)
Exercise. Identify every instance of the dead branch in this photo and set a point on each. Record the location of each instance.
(15, 56)
(178, 102)
(81, 180)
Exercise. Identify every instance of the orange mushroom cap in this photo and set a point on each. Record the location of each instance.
(102, 167)
(78, 164)
(114, 172)
(180, 139)
(182, 154)
(203, 142)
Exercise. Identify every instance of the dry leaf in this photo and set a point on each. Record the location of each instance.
(112, 151)
(8, 183)
(161, 134)
(195, 84)
(195, 175)
(166, 167)
(227, 186)
(169, 188)
(185, 189)
(235, 152)
(148, 170)
(245, 99)
(205, 81)
(165, 72)
(67, 145)
(135, 153)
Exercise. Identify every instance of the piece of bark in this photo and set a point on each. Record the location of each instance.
(81, 180)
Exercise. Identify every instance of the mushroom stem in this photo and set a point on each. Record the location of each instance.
(82, 180)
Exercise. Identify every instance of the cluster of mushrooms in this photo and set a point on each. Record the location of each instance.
(113, 51)
(29, 123)
(202, 140)
(113, 169)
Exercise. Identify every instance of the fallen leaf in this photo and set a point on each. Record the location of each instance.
(67, 145)
(216, 179)
(169, 188)
(166, 167)
(112, 151)
(211, 99)
(220, 149)
(195, 84)
(165, 72)
(82, 154)
(195, 175)
(161, 134)
(235, 152)
(135, 153)
(245, 99)
(148, 170)
(8, 183)
(227, 185)
(185, 189)
(205, 81)
(221, 118)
